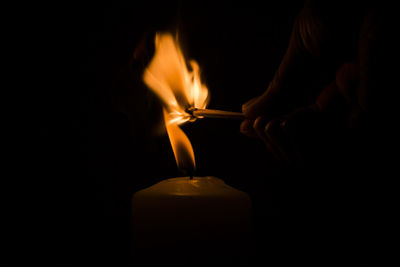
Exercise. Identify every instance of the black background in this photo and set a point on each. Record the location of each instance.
(97, 141)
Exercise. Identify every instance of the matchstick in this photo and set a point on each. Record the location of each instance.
(213, 113)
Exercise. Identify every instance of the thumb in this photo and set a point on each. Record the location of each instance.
(261, 105)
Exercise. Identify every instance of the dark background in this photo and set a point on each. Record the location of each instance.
(97, 123)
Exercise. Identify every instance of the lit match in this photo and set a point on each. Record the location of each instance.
(213, 113)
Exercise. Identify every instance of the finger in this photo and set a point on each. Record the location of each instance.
(246, 106)
(347, 82)
(259, 126)
(278, 140)
(331, 101)
(246, 128)
(261, 105)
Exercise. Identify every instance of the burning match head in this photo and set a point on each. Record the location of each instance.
(190, 112)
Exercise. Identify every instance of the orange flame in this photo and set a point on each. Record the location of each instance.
(178, 88)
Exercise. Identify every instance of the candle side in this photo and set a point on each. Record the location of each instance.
(181, 212)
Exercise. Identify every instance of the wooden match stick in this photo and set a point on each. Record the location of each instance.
(213, 113)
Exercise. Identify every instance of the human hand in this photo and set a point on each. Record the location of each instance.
(309, 130)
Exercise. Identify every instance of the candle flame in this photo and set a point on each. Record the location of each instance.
(181, 146)
(179, 88)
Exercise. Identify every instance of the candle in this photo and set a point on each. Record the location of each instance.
(180, 217)
(182, 221)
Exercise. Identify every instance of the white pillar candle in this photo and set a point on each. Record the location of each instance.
(180, 212)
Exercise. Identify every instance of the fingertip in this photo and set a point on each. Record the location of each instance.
(259, 125)
(244, 126)
(247, 129)
(273, 130)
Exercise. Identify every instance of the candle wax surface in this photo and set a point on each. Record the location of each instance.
(198, 186)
